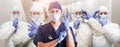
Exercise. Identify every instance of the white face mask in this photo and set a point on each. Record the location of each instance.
(103, 17)
(37, 18)
(78, 17)
(55, 17)
(17, 16)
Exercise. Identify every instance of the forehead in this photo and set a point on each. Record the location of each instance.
(103, 11)
(53, 9)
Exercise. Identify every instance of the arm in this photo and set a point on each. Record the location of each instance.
(8, 31)
(70, 42)
(112, 32)
(96, 26)
(49, 44)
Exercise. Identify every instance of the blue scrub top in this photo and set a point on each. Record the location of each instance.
(47, 33)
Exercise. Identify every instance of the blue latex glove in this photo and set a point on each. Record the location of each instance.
(15, 23)
(86, 15)
(76, 24)
(66, 20)
(33, 28)
(95, 14)
(62, 36)
(103, 21)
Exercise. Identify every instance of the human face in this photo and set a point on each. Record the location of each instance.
(54, 14)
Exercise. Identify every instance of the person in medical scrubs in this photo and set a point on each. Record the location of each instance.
(20, 37)
(56, 33)
(37, 19)
(112, 30)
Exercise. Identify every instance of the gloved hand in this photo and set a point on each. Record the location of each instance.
(76, 24)
(15, 23)
(103, 21)
(86, 15)
(62, 36)
(95, 14)
(66, 20)
(33, 28)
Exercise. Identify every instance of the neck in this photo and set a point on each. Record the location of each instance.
(55, 24)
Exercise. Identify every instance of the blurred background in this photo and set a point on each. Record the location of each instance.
(90, 5)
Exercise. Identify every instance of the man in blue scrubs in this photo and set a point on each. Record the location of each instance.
(56, 33)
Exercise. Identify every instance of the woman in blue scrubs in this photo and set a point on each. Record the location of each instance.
(56, 33)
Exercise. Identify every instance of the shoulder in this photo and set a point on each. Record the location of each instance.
(43, 27)
(6, 24)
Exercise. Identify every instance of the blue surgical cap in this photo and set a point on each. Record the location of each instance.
(55, 5)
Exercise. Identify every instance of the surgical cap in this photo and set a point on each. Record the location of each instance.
(55, 5)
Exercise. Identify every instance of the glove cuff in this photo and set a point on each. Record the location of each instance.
(58, 40)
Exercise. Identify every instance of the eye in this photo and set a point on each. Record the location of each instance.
(56, 11)
(105, 13)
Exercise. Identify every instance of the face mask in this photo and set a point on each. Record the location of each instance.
(78, 17)
(55, 17)
(37, 18)
(103, 19)
(17, 16)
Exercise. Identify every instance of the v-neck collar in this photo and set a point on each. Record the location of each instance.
(58, 29)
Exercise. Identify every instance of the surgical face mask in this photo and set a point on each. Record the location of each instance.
(37, 18)
(37, 15)
(103, 18)
(55, 17)
(18, 16)
(78, 17)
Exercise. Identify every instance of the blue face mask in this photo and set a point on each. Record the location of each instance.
(103, 19)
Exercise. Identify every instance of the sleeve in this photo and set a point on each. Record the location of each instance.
(75, 41)
(98, 29)
(38, 36)
(112, 32)
(6, 31)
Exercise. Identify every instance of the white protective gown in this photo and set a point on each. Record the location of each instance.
(6, 31)
(83, 35)
(99, 40)
(85, 32)
(20, 38)
(112, 33)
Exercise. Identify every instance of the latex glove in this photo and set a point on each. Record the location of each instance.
(62, 36)
(76, 24)
(86, 15)
(95, 14)
(33, 28)
(66, 20)
(103, 21)
(15, 23)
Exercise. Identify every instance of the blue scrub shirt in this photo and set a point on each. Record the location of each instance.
(47, 33)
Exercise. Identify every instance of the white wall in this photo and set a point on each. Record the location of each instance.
(116, 11)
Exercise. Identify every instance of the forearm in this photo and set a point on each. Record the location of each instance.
(9, 32)
(49, 44)
(70, 41)
(96, 26)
